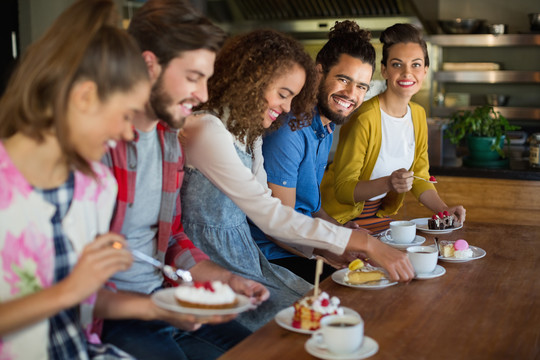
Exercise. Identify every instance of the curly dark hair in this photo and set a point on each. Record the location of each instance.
(346, 37)
(402, 33)
(243, 70)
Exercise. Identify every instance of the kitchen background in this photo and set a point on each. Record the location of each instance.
(23, 21)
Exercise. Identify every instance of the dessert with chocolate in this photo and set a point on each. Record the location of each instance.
(441, 221)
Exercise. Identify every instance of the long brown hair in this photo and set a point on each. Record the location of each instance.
(244, 68)
(84, 43)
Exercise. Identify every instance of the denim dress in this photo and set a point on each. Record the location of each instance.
(218, 227)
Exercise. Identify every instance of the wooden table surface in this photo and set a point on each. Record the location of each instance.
(483, 309)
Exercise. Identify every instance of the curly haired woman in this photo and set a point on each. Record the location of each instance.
(258, 76)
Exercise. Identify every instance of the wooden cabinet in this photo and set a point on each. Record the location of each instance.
(497, 201)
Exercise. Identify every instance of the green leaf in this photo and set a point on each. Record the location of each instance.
(483, 121)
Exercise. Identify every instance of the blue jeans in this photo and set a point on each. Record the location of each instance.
(159, 340)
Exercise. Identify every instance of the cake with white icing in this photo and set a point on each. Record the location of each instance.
(206, 295)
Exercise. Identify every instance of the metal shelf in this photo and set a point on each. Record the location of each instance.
(517, 113)
(489, 77)
(485, 40)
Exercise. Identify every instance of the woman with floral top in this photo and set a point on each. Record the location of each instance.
(73, 93)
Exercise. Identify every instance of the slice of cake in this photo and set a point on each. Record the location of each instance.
(206, 295)
(458, 249)
(308, 311)
(360, 273)
(441, 221)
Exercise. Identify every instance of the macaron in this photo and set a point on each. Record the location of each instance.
(461, 245)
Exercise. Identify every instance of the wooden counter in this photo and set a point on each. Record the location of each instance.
(483, 309)
(498, 201)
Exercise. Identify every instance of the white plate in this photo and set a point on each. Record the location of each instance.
(418, 240)
(340, 274)
(369, 348)
(478, 253)
(421, 224)
(285, 316)
(439, 271)
(166, 300)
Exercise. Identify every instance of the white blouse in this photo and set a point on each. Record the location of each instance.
(397, 146)
(214, 155)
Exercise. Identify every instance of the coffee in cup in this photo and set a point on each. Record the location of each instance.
(340, 334)
(402, 232)
(423, 258)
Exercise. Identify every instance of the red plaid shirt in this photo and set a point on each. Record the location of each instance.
(174, 247)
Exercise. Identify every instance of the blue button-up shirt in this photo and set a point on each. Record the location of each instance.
(296, 159)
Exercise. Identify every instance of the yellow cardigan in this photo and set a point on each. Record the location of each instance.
(357, 151)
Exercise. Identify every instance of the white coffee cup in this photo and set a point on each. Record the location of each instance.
(423, 258)
(401, 232)
(340, 334)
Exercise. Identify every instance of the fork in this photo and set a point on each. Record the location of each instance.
(426, 180)
(168, 271)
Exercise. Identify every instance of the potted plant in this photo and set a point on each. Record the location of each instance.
(485, 130)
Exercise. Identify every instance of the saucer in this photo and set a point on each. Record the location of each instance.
(418, 240)
(439, 271)
(369, 347)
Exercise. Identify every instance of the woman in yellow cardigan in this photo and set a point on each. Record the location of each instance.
(385, 143)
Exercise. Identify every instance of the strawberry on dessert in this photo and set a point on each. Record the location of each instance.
(432, 178)
(308, 311)
(440, 221)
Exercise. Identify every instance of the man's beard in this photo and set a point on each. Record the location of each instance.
(160, 101)
(324, 107)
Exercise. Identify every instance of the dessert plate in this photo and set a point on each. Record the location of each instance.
(369, 348)
(418, 240)
(439, 271)
(166, 300)
(478, 253)
(422, 225)
(284, 319)
(339, 276)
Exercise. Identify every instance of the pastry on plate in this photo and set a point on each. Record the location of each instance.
(309, 310)
(360, 273)
(458, 249)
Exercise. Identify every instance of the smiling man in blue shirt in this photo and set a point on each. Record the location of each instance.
(295, 161)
